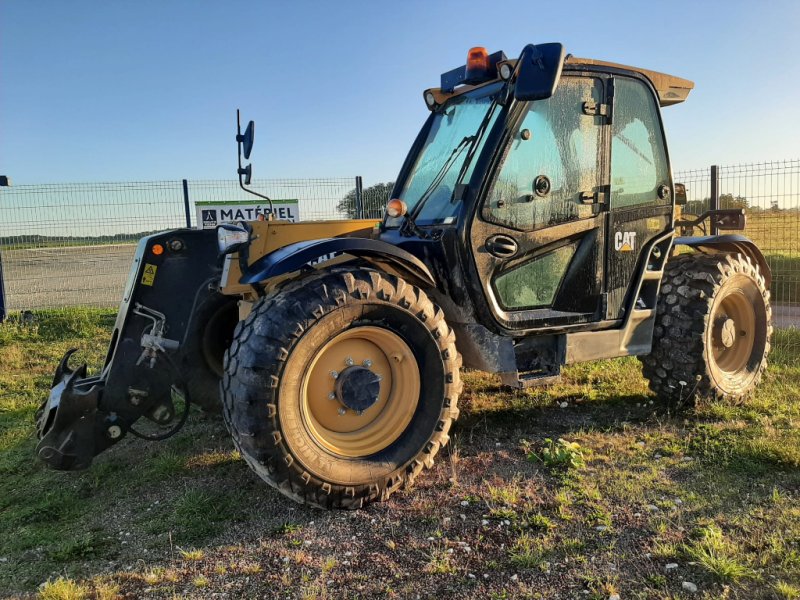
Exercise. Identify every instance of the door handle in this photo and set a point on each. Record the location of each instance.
(501, 246)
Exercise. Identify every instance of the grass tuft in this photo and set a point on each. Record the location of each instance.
(63, 589)
(718, 555)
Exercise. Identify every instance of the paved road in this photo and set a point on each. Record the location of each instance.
(69, 276)
(784, 315)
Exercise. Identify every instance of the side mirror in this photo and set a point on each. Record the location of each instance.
(733, 219)
(539, 70)
(248, 138)
(680, 194)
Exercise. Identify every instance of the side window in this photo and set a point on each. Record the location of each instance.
(638, 162)
(535, 283)
(551, 160)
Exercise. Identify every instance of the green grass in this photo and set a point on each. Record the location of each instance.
(713, 488)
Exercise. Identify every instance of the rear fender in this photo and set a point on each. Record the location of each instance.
(381, 254)
(713, 244)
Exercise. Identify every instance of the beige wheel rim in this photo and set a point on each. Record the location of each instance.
(327, 415)
(733, 334)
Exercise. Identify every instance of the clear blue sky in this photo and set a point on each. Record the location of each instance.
(146, 90)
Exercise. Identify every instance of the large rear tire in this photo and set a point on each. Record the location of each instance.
(341, 387)
(712, 333)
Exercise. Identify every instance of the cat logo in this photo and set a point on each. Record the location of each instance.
(625, 241)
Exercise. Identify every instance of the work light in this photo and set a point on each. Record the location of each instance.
(231, 237)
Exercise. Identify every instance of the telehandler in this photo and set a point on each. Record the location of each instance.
(533, 224)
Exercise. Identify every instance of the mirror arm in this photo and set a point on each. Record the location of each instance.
(241, 170)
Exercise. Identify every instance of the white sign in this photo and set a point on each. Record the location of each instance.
(211, 214)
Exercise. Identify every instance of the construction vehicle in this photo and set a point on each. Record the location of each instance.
(534, 224)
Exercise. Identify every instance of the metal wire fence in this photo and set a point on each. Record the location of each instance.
(770, 194)
(71, 244)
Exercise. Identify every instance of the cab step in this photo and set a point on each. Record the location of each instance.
(529, 379)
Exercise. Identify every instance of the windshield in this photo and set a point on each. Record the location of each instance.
(441, 159)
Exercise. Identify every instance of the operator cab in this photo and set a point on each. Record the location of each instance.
(549, 179)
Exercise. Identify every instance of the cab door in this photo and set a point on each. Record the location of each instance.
(538, 238)
(641, 195)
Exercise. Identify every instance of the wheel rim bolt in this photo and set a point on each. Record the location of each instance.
(332, 396)
(348, 361)
(367, 363)
(334, 374)
(342, 411)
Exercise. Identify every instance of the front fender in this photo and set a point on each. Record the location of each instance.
(729, 243)
(295, 256)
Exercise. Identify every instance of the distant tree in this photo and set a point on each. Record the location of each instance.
(697, 207)
(731, 201)
(373, 198)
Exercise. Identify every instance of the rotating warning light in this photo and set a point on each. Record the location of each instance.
(477, 65)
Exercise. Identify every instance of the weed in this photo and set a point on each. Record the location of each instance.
(717, 554)
(560, 455)
(250, 568)
(200, 581)
(503, 512)
(787, 590)
(527, 552)
(199, 514)
(657, 580)
(439, 562)
(329, 564)
(63, 589)
(289, 528)
(538, 522)
(167, 463)
(192, 555)
(507, 494)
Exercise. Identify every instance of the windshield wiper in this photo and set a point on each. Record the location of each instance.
(409, 220)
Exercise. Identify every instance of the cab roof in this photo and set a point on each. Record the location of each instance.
(671, 90)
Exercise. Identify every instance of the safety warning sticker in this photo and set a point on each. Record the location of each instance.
(149, 274)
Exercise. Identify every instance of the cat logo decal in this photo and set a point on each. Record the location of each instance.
(625, 241)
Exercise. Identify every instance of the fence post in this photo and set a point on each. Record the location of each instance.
(713, 203)
(359, 198)
(186, 207)
(3, 313)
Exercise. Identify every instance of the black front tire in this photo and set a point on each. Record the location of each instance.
(280, 341)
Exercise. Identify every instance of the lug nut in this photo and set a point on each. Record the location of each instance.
(332, 396)
(348, 361)
(342, 411)
(335, 374)
(367, 363)
(114, 431)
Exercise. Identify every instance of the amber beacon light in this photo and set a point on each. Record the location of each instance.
(477, 63)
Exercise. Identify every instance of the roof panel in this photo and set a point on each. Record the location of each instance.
(671, 90)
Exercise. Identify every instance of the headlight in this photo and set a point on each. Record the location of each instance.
(231, 237)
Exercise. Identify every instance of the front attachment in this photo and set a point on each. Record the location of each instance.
(153, 352)
(71, 430)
